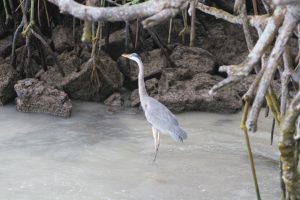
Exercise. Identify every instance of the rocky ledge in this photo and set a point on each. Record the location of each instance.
(8, 78)
(36, 96)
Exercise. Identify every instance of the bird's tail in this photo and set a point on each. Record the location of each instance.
(178, 134)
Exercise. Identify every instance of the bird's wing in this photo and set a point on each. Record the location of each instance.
(159, 115)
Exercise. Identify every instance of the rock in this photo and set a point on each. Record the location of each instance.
(195, 59)
(152, 86)
(116, 44)
(77, 82)
(62, 37)
(293, 44)
(225, 41)
(226, 5)
(163, 31)
(242, 86)
(6, 45)
(276, 85)
(69, 61)
(8, 78)
(20, 62)
(51, 76)
(190, 95)
(134, 98)
(97, 85)
(152, 89)
(36, 96)
(3, 32)
(114, 100)
(154, 61)
(185, 87)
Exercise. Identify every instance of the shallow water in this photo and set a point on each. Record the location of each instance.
(100, 156)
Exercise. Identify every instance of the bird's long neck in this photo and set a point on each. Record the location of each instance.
(141, 82)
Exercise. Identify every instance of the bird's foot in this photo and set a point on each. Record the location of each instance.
(155, 155)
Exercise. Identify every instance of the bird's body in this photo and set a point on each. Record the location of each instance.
(161, 118)
(158, 115)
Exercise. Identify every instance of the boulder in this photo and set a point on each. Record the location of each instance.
(195, 59)
(3, 32)
(163, 31)
(8, 78)
(20, 62)
(116, 44)
(6, 45)
(226, 5)
(62, 37)
(154, 61)
(192, 94)
(94, 83)
(134, 98)
(114, 100)
(185, 87)
(225, 41)
(52, 76)
(78, 81)
(293, 44)
(242, 86)
(36, 96)
(152, 89)
(69, 61)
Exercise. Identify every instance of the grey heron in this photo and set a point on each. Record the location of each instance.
(159, 116)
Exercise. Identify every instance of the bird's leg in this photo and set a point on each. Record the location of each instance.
(154, 136)
(156, 142)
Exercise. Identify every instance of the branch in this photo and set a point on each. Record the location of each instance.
(289, 24)
(254, 20)
(155, 11)
(285, 2)
(48, 48)
(298, 56)
(237, 72)
(287, 149)
(219, 14)
(246, 27)
(285, 76)
(13, 48)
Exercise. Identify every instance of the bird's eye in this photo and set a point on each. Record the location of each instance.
(136, 55)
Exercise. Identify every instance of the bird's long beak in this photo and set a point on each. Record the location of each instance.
(126, 55)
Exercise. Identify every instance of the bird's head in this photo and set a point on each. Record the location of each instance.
(133, 56)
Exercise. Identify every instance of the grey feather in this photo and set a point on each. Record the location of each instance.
(161, 118)
(178, 134)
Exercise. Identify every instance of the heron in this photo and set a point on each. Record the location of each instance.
(158, 115)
